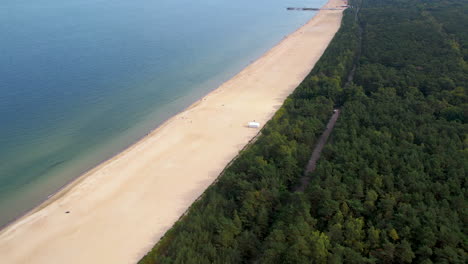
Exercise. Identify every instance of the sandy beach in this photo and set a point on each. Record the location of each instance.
(116, 212)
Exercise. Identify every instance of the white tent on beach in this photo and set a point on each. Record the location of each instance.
(254, 125)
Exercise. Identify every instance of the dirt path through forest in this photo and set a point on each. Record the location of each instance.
(317, 151)
(304, 182)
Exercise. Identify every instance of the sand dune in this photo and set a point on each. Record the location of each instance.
(117, 211)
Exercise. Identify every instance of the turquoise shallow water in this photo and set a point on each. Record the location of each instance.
(80, 80)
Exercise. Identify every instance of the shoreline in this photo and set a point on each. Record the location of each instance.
(37, 217)
(77, 179)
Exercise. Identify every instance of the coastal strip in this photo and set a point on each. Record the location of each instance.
(117, 211)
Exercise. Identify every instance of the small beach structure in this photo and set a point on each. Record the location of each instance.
(253, 125)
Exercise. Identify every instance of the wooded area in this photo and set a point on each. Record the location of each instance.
(390, 187)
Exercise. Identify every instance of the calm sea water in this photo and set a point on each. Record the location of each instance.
(80, 80)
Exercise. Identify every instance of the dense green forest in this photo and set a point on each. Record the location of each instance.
(390, 186)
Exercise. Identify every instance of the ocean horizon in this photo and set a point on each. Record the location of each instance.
(83, 80)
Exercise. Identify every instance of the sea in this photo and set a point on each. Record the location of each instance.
(81, 80)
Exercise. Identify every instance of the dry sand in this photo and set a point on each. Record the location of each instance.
(120, 209)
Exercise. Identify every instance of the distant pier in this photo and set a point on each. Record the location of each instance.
(314, 8)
